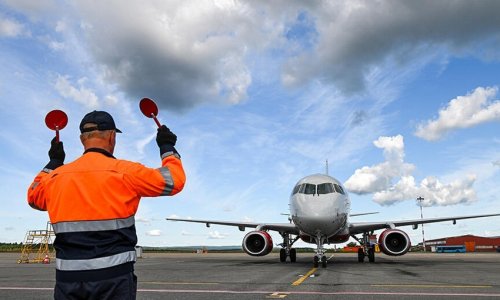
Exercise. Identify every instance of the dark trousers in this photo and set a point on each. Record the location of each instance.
(123, 287)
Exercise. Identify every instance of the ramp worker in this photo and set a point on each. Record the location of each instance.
(91, 203)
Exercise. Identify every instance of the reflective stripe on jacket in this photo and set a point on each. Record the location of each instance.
(91, 204)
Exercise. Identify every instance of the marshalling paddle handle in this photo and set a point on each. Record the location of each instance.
(156, 120)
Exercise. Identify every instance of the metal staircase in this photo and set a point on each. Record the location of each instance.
(37, 246)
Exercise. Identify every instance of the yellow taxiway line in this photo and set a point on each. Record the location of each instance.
(304, 277)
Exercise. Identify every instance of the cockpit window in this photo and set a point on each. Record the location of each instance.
(325, 188)
(308, 189)
(339, 189)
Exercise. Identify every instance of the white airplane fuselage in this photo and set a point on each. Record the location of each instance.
(319, 207)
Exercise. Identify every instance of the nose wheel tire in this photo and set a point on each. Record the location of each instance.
(316, 261)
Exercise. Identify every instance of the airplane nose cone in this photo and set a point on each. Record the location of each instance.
(314, 214)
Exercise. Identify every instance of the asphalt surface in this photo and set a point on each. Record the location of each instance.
(238, 276)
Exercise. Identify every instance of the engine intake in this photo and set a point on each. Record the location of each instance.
(257, 243)
(394, 242)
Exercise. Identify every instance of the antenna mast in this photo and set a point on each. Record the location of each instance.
(326, 165)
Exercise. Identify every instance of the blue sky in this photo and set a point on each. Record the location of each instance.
(401, 98)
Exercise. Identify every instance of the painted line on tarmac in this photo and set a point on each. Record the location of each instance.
(282, 292)
(178, 283)
(432, 286)
(277, 295)
(304, 277)
(21, 288)
(290, 293)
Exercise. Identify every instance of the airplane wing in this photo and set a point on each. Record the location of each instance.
(360, 227)
(363, 214)
(280, 227)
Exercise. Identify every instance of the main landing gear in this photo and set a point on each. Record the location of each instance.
(366, 250)
(286, 248)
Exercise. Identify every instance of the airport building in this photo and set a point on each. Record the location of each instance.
(468, 243)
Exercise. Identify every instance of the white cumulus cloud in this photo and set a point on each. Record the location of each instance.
(463, 112)
(10, 28)
(216, 235)
(140, 219)
(434, 192)
(79, 94)
(379, 177)
(154, 232)
(391, 181)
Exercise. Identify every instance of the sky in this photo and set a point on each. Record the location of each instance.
(401, 98)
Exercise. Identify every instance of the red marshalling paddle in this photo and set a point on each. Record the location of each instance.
(56, 120)
(149, 109)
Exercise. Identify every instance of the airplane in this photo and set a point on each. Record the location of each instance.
(319, 214)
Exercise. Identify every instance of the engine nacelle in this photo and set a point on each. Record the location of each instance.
(394, 242)
(257, 243)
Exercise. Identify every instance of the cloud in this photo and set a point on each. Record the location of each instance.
(154, 232)
(80, 95)
(187, 53)
(142, 143)
(379, 180)
(34, 9)
(216, 235)
(496, 163)
(357, 37)
(10, 28)
(431, 189)
(462, 112)
(247, 219)
(180, 54)
(379, 177)
(142, 219)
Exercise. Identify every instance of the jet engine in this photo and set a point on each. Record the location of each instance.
(257, 243)
(394, 242)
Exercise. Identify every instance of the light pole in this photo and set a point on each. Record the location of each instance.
(420, 200)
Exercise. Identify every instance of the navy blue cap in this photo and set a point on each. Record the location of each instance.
(102, 119)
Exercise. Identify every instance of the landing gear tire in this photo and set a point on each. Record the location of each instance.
(282, 255)
(323, 262)
(316, 262)
(293, 255)
(371, 254)
(361, 255)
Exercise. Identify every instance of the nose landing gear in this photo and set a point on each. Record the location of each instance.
(319, 257)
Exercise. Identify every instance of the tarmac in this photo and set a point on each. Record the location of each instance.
(239, 276)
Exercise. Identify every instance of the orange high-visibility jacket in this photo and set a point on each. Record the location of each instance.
(91, 204)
